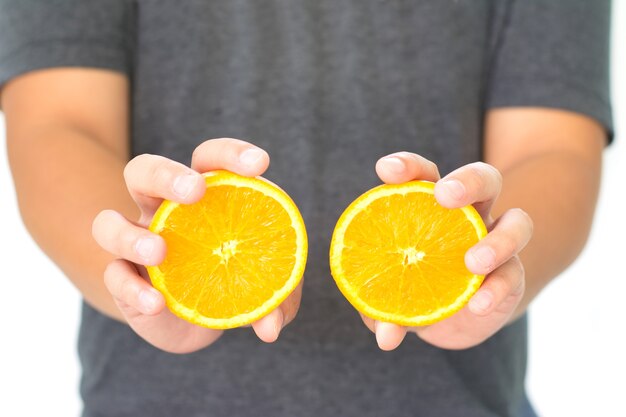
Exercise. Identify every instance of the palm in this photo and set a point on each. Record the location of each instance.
(165, 330)
(168, 332)
(465, 329)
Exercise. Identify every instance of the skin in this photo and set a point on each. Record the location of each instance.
(540, 163)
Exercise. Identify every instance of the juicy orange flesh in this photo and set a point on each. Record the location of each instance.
(405, 254)
(218, 262)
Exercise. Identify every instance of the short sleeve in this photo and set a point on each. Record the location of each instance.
(554, 53)
(37, 34)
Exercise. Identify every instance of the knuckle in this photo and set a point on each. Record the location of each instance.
(424, 163)
(409, 155)
(149, 169)
(293, 314)
(510, 277)
(127, 290)
(213, 146)
(200, 149)
(159, 174)
(508, 245)
(98, 223)
(232, 142)
(132, 165)
(104, 228)
(119, 282)
(289, 315)
(519, 266)
(487, 173)
(125, 239)
(109, 271)
(485, 167)
(434, 168)
(480, 165)
(525, 218)
(220, 151)
(519, 273)
(112, 277)
(520, 222)
(476, 175)
(507, 279)
(497, 175)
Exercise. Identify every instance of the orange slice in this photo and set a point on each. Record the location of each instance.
(233, 256)
(398, 256)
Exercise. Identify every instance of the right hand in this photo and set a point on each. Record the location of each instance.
(150, 179)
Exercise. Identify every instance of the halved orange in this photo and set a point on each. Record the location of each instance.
(398, 256)
(233, 256)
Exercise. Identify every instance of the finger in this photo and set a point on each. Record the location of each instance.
(406, 166)
(233, 155)
(291, 305)
(389, 335)
(115, 234)
(510, 234)
(369, 322)
(144, 309)
(152, 178)
(501, 286)
(130, 290)
(268, 328)
(476, 183)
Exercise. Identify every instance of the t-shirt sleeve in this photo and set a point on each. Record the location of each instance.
(554, 53)
(37, 34)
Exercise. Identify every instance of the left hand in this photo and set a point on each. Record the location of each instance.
(495, 256)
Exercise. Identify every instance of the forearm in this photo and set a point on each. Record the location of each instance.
(63, 179)
(559, 191)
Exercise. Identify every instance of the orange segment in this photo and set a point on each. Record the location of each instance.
(233, 256)
(398, 256)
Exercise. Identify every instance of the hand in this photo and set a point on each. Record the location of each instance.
(496, 256)
(150, 179)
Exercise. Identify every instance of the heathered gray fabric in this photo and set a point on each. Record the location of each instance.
(326, 87)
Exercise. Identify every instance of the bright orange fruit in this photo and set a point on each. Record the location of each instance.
(233, 256)
(398, 256)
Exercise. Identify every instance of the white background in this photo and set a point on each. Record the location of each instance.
(577, 346)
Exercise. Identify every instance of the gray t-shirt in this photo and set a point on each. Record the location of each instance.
(326, 87)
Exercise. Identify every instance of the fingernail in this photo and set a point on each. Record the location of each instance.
(481, 301)
(144, 247)
(183, 185)
(454, 188)
(251, 156)
(394, 164)
(148, 300)
(485, 256)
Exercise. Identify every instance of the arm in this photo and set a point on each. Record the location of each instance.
(550, 161)
(68, 142)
